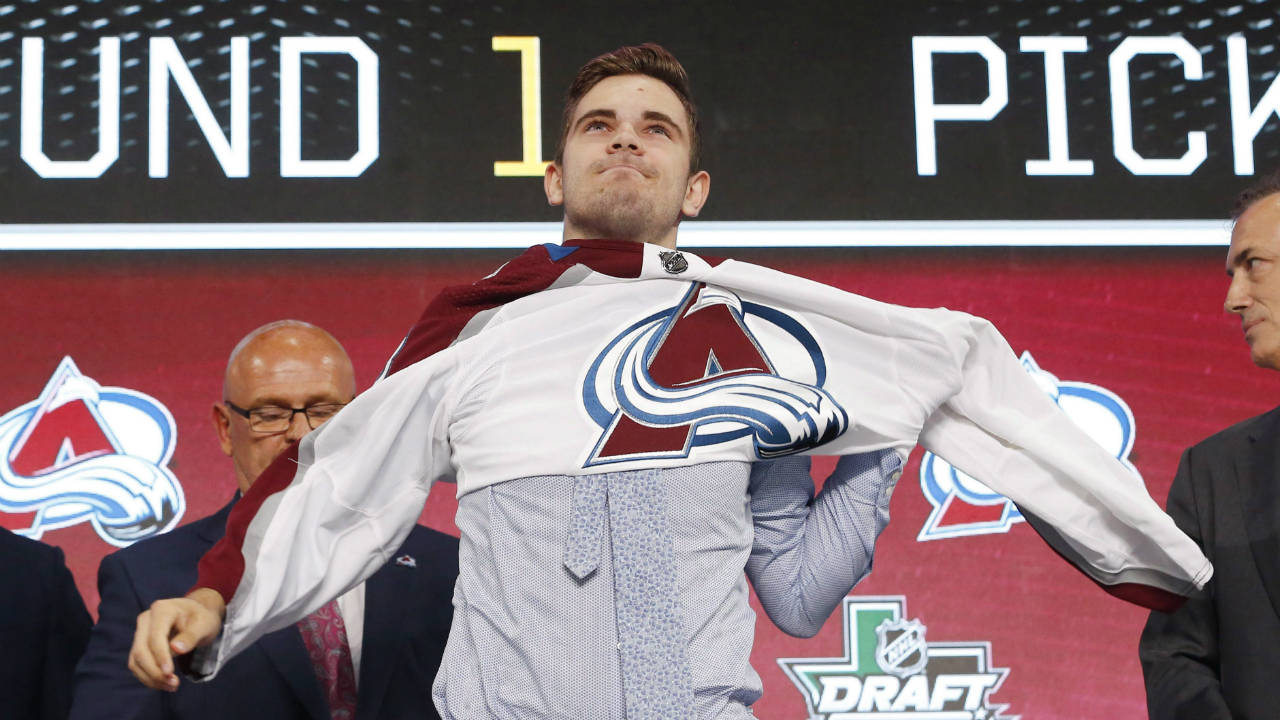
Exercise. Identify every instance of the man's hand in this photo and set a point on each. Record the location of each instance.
(173, 627)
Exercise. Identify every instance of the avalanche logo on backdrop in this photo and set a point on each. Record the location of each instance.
(963, 506)
(890, 671)
(697, 374)
(82, 452)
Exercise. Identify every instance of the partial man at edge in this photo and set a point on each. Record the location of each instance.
(1216, 658)
(44, 627)
(600, 404)
(281, 380)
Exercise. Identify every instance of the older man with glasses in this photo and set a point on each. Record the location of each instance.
(372, 652)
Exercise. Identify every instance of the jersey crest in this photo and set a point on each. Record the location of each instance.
(82, 452)
(700, 374)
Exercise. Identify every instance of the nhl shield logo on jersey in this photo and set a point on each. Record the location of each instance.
(711, 369)
(889, 671)
(82, 452)
(673, 261)
(963, 506)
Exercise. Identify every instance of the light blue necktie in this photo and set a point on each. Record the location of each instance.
(655, 671)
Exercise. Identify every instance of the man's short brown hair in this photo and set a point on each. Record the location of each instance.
(1264, 186)
(647, 59)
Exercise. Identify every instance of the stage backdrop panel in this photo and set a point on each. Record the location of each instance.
(999, 618)
(856, 128)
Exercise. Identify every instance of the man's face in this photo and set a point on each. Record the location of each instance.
(625, 174)
(290, 368)
(1253, 263)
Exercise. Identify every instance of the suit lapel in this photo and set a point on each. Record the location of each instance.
(384, 635)
(289, 655)
(1260, 494)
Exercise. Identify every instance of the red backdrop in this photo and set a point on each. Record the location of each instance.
(1146, 324)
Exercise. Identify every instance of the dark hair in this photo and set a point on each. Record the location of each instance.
(647, 59)
(1264, 186)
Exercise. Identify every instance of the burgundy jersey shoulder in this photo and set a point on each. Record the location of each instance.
(535, 270)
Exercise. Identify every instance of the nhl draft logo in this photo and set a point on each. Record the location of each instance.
(889, 671)
(698, 374)
(82, 452)
(963, 506)
(900, 647)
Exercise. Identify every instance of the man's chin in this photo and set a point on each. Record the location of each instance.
(617, 217)
(619, 173)
(1266, 356)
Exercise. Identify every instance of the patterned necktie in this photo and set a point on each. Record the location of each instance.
(655, 670)
(325, 636)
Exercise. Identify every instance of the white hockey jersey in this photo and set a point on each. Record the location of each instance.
(602, 356)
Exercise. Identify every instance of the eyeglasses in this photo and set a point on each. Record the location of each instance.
(274, 418)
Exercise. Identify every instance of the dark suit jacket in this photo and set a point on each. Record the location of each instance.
(1219, 655)
(406, 622)
(43, 629)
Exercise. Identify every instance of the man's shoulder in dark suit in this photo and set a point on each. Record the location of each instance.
(1232, 438)
(164, 566)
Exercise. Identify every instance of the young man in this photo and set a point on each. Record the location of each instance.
(600, 404)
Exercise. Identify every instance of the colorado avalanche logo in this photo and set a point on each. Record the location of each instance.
(964, 506)
(82, 452)
(697, 374)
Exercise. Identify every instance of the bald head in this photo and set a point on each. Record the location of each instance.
(282, 346)
(289, 364)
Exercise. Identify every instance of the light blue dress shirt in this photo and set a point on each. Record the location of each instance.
(530, 644)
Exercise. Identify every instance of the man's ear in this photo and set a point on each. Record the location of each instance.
(222, 425)
(695, 195)
(553, 185)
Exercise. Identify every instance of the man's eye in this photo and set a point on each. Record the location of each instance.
(660, 130)
(271, 413)
(595, 125)
(322, 412)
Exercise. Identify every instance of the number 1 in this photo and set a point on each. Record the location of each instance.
(530, 108)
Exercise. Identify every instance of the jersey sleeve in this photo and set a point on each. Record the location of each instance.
(1089, 507)
(949, 381)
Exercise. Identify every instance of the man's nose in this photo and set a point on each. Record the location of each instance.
(298, 427)
(625, 138)
(1237, 295)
